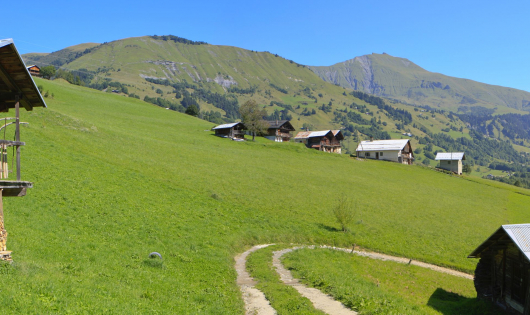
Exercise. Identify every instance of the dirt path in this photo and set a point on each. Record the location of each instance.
(256, 303)
(320, 300)
(402, 261)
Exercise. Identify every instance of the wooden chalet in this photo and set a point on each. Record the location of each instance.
(502, 274)
(34, 70)
(399, 151)
(232, 131)
(325, 140)
(17, 90)
(451, 161)
(279, 130)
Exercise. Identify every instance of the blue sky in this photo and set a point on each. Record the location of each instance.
(486, 41)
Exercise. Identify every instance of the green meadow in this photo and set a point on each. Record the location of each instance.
(372, 286)
(116, 178)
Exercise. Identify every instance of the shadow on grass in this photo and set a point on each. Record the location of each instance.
(328, 228)
(154, 263)
(447, 302)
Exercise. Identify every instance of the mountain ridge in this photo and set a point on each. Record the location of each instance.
(401, 79)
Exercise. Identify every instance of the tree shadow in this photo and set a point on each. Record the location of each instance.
(447, 302)
(328, 228)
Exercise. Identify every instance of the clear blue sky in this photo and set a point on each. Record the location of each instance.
(486, 41)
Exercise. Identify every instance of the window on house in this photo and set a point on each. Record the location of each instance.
(448, 162)
(380, 153)
(367, 154)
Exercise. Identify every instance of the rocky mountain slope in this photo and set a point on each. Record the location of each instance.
(401, 79)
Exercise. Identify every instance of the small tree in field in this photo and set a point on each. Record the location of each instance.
(344, 212)
(47, 72)
(192, 110)
(252, 117)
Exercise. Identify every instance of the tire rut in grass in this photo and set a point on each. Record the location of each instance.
(255, 301)
(320, 300)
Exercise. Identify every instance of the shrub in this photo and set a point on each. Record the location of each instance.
(344, 212)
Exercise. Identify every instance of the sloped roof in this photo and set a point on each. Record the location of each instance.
(519, 234)
(16, 80)
(275, 124)
(311, 134)
(382, 145)
(338, 134)
(450, 156)
(226, 126)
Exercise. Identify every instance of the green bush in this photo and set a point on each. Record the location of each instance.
(344, 212)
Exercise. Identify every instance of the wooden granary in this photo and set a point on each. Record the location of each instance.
(503, 271)
(17, 89)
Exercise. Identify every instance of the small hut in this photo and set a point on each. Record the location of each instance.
(325, 140)
(279, 130)
(502, 274)
(451, 161)
(17, 89)
(389, 150)
(232, 131)
(34, 70)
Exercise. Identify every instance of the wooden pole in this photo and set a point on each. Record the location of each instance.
(3, 232)
(17, 134)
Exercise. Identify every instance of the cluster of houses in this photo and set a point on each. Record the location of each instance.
(280, 131)
(399, 151)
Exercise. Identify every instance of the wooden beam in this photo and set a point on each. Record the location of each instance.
(4, 76)
(17, 135)
(10, 143)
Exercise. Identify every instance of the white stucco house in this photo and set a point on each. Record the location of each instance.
(451, 161)
(399, 151)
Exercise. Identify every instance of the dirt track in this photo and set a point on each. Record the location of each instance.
(256, 302)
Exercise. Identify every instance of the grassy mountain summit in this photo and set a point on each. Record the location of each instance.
(401, 79)
(131, 60)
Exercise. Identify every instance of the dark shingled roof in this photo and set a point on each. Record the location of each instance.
(15, 80)
(275, 124)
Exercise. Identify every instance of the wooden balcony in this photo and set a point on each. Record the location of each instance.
(11, 188)
(331, 144)
(283, 134)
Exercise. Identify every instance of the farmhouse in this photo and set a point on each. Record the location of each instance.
(325, 140)
(389, 150)
(279, 130)
(17, 89)
(502, 274)
(232, 131)
(34, 70)
(451, 161)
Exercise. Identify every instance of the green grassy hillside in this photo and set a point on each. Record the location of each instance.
(165, 70)
(116, 178)
(60, 57)
(401, 79)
